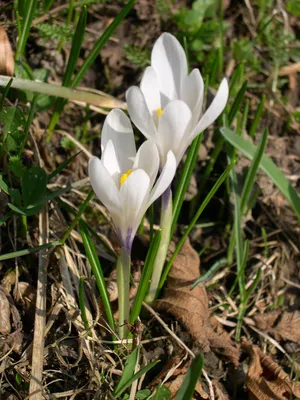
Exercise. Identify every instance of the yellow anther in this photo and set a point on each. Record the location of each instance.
(125, 176)
(159, 112)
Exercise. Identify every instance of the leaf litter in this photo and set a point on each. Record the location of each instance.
(190, 307)
(265, 378)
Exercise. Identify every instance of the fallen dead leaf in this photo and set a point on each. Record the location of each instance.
(5, 325)
(7, 63)
(190, 307)
(176, 384)
(281, 325)
(266, 379)
(9, 318)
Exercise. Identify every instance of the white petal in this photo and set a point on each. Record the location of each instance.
(192, 94)
(169, 61)
(147, 158)
(118, 129)
(134, 195)
(139, 113)
(173, 124)
(165, 179)
(149, 87)
(110, 162)
(103, 185)
(214, 110)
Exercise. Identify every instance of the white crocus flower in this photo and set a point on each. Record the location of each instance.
(167, 107)
(124, 180)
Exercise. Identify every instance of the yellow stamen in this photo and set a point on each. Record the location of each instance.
(159, 112)
(125, 176)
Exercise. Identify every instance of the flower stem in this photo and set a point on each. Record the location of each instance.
(123, 282)
(165, 225)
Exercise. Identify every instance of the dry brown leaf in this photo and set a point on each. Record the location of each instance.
(7, 63)
(266, 379)
(5, 325)
(190, 307)
(9, 318)
(176, 384)
(283, 326)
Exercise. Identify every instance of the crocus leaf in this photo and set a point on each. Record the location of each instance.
(190, 380)
(34, 186)
(268, 166)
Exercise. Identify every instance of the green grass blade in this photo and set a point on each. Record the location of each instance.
(94, 53)
(238, 234)
(254, 284)
(236, 79)
(5, 92)
(82, 303)
(128, 371)
(101, 42)
(205, 202)
(136, 376)
(185, 180)
(28, 124)
(243, 292)
(253, 170)
(268, 166)
(257, 116)
(211, 272)
(237, 103)
(47, 5)
(145, 278)
(62, 166)
(77, 217)
(187, 389)
(76, 47)
(30, 10)
(61, 91)
(73, 58)
(25, 252)
(98, 273)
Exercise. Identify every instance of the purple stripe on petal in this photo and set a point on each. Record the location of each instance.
(129, 240)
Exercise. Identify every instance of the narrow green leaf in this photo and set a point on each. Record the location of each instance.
(253, 170)
(94, 53)
(254, 284)
(3, 185)
(5, 92)
(97, 271)
(128, 371)
(237, 103)
(29, 10)
(47, 5)
(77, 217)
(238, 234)
(187, 389)
(82, 303)
(28, 124)
(185, 178)
(34, 185)
(73, 58)
(25, 252)
(257, 116)
(162, 393)
(145, 278)
(205, 202)
(268, 166)
(139, 374)
(101, 42)
(62, 166)
(211, 272)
